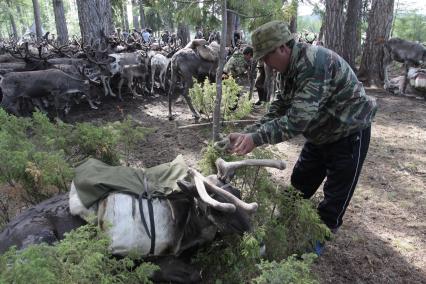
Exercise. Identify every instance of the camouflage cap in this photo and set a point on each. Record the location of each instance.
(268, 37)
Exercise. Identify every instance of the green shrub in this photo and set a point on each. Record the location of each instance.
(285, 222)
(97, 142)
(129, 134)
(43, 171)
(290, 270)
(292, 223)
(40, 155)
(82, 257)
(15, 147)
(230, 260)
(50, 136)
(203, 96)
(210, 155)
(231, 90)
(294, 227)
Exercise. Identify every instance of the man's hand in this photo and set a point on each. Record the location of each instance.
(241, 143)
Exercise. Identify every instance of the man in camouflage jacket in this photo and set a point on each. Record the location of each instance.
(323, 100)
(239, 63)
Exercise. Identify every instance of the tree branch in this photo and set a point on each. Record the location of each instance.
(194, 2)
(222, 122)
(248, 16)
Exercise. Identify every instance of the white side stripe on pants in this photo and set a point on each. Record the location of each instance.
(353, 180)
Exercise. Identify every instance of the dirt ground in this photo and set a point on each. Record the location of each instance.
(383, 238)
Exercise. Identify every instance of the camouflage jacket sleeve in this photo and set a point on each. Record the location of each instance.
(236, 65)
(277, 109)
(289, 114)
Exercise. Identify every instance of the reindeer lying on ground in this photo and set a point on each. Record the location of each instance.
(148, 224)
(403, 51)
(416, 83)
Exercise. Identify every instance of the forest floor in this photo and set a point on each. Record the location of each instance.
(383, 238)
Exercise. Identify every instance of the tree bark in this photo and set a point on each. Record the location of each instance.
(183, 34)
(219, 72)
(230, 28)
(293, 21)
(135, 15)
(61, 24)
(37, 19)
(293, 24)
(122, 24)
(379, 27)
(9, 30)
(394, 17)
(142, 15)
(21, 20)
(125, 17)
(12, 21)
(350, 38)
(334, 20)
(321, 32)
(95, 19)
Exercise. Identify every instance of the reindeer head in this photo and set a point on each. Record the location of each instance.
(224, 208)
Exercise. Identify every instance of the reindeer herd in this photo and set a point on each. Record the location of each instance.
(53, 79)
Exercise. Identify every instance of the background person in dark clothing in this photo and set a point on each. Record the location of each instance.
(260, 83)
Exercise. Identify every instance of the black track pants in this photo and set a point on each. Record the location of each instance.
(340, 162)
(260, 85)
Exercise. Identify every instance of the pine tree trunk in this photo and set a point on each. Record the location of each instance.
(37, 18)
(61, 24)
(237, 24)
(20, 19)
(9, 30)
(293, 24)
(230, 28)
(183, 34)
(293, 21)
(142, 15)
(219, 72)
(122, 23)
(350, 38)
(135, 15)
(321, 32)
(379, 27)
(126, 17)
(334, 20)
(12, 21)
(395, 16)
(95, 19)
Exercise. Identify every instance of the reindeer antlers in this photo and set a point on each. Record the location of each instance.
(199, 184)
(247, 207)
(226, 170)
